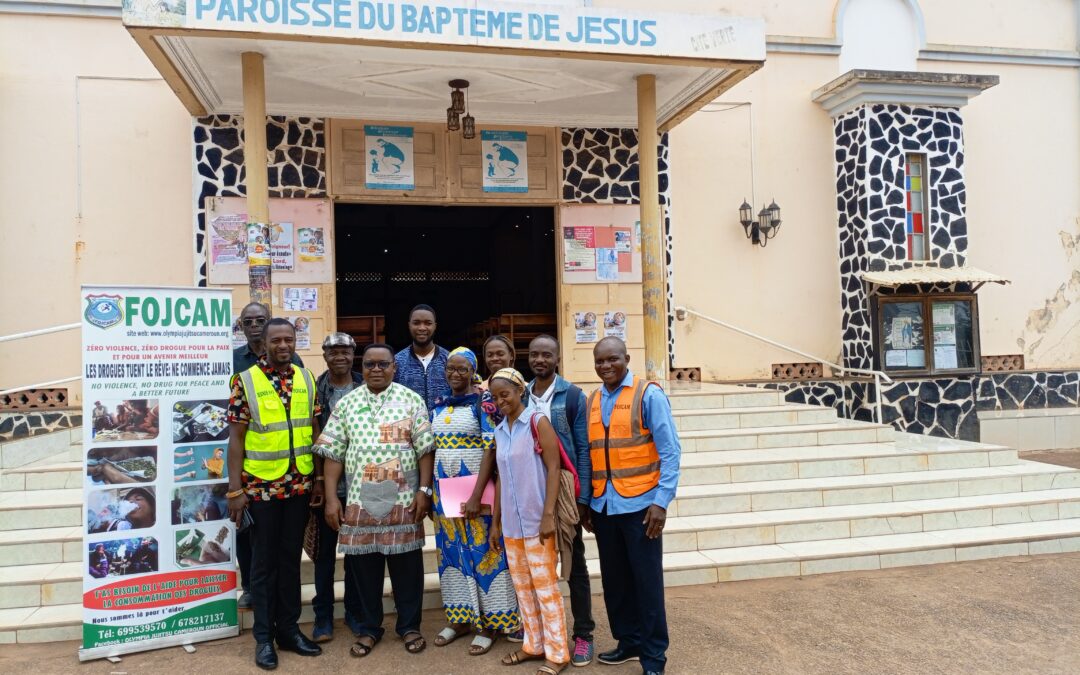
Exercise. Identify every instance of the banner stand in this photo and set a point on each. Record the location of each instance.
(159, 558)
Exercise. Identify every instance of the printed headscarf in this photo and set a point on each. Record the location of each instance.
(511, 375)
(467, 354)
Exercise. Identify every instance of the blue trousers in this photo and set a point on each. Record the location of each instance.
(325, 564)
(632, 571)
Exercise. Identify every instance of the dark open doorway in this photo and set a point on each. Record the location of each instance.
(472, 264)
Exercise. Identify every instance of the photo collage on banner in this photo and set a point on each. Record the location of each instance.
(160, 564)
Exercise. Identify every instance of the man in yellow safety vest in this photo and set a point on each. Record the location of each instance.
(273, 475)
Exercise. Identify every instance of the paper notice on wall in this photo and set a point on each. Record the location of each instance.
(945, 357)
(916, 358)
(238, 337)
(944, 314)
(258, 244)
(312, 244)
(945, 335)
(902, 335)
(623, 242)
(228, 239)
(607, 264)
(896, 358)
(615, 325)
(585, 329)
(506, 160)
(579, 252)
(299, 299)
(302, 324)
(281, 246)
(389, 158)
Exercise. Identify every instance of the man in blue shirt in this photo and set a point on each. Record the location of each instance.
(422, 365)
(631, 493)
(564, 404)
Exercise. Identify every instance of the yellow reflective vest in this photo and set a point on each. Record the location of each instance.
(275, 434)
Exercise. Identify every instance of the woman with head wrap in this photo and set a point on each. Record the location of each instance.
(498, 353)
(526, 490)
(477, 591)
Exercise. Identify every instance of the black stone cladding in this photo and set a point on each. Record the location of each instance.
(870, 146)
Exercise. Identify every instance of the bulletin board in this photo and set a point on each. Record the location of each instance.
(306, 295)
(600, 243)
(298, 222)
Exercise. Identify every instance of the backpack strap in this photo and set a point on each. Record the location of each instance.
(573, 393)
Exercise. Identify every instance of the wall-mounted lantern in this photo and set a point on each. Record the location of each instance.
(764, 227)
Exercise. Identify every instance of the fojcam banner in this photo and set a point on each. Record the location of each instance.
(158, 554)
(483, 23)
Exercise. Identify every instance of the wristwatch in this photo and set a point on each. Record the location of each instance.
(426, 490)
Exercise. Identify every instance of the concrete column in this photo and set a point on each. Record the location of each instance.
(652, 235)
(258, 193)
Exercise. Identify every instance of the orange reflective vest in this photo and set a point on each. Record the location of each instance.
(623, 452)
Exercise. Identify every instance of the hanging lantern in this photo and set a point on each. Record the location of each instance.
(453, 121)
(468, 126)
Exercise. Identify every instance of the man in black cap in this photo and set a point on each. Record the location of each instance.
(339, 351)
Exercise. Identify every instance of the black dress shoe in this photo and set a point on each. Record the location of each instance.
(265, 656)
(618, 655)
(652, 672)
(299, 644)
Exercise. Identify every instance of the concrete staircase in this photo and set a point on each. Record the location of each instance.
(768, 489)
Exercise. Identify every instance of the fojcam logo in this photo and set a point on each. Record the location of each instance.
(104, 311)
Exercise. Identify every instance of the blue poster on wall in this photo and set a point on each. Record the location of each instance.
(389, 158)
(505, 165)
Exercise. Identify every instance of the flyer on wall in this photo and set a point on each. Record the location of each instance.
(506, 160)
(389, 160)
(158, 545)
(281, 246)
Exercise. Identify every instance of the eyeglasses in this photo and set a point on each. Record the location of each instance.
(377, 365)
(459, 370)
(257, 321)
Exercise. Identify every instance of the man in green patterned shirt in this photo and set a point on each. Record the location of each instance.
(379, 437)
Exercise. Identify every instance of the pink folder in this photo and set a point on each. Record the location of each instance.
(454, 492)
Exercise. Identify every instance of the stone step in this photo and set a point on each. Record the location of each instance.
(696, 500)
(738, 466)
(63, 622)
(760, 416)
(721, 396)
(52, 476)
(24, 451)
(40, 546)
(836, 432)
(34, 509)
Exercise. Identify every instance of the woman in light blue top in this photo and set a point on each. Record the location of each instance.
(526, 490)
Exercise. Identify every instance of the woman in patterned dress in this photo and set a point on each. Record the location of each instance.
(476, 588)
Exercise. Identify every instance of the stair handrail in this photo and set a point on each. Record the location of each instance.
(35, 333)
(879, 376)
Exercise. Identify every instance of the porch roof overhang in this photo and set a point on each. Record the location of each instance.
(529, 64)
(931, 274)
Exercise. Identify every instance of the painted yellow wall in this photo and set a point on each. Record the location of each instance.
(789, 290)
(95, 186)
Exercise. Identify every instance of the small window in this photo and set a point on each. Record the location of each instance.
(918, 224)
(928, 334)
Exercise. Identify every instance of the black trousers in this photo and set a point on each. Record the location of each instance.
(580, 591)
(243, 558)
(406, 582)
(632, 570)
(277, 542)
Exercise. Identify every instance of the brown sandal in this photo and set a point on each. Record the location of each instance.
(550, 670)
(415, 645)
(359, 649)
(520, 656)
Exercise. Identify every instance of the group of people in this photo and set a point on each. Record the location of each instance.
(128, 417)
(509, 471)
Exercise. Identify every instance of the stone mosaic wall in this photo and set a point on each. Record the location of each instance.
(296, 165)
(22, 424)
(939, 406)
(600, 166)
(870, 147)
